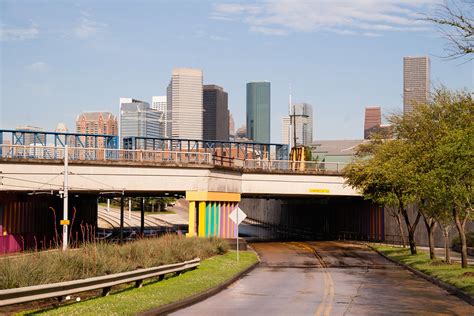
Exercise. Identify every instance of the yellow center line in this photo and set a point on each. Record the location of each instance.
(325, 306)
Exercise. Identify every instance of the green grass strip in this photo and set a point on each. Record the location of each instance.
(449, 273)
(130, 301)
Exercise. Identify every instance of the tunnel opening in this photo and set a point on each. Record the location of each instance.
(312, 218)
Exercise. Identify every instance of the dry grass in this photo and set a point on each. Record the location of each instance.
(96, 259)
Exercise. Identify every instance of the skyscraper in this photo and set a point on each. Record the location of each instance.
(123, 101)
(138, 119)
(29, 139)
(185, 100)
(416, 81)
(373, 120)
(216, 113)
(231, 126)
(302, 118)
(258, 111)
(96, 123)
(160, 105)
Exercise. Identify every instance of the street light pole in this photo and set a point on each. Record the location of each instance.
(65, 198)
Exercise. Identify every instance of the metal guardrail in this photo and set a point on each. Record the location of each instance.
(103, 154)
(61, 289)
(315, 166)
(41, 152)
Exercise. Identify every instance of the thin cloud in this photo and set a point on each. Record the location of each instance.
(38, 67)
(88, 27)
(17, 33)
(355, 17)
(200, 33)
(268, 30)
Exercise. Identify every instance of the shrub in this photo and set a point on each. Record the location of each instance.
(96, 259)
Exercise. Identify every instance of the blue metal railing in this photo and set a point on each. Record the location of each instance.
(229, 149)
(58, 139)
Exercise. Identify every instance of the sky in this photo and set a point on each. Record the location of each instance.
(60, 58)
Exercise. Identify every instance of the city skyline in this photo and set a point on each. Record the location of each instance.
(58, 68)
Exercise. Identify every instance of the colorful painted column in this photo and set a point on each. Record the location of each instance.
(209, 215)
(192, 219)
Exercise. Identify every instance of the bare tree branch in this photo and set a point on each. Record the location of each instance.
(457, 25)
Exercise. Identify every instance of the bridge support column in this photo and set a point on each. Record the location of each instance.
(209, 213)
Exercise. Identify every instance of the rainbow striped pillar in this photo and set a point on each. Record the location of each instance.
(209, 214)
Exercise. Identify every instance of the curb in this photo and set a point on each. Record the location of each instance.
(168, 308)
(447, 287)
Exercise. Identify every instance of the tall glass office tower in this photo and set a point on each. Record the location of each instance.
(258, 111)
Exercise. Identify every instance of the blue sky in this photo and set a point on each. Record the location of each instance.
(59, 58)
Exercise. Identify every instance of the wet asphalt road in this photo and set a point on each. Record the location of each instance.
(328, 278)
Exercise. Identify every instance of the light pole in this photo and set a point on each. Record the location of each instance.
(65, 221)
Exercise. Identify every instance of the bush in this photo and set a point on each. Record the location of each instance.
(469, 240)
(96, 259)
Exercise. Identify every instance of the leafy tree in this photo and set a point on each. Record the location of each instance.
(441, 138)
(383, 173)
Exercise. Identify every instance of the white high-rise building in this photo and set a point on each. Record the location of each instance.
(160, 105)
(185, 100)
(301, 121)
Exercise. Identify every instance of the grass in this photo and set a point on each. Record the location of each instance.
(449, 273)
(212, 271)
(96, 259)
(160, 213)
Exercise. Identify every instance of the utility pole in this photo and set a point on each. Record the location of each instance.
(65, 221)
(291, 121)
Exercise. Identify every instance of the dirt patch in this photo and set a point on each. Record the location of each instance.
(468, 274)
(438, 263)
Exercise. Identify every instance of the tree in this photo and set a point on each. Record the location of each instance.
(456, 21)
(383, 173)
(441, 137)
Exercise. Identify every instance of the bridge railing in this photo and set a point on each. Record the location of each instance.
(289, 165)
(102, 154)
(40, 152)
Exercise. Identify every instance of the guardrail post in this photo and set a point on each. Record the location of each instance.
(106, 290)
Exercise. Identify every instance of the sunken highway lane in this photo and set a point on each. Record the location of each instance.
(328, 278)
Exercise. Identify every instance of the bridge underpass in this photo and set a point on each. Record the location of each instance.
(310, 201)
(313, 218)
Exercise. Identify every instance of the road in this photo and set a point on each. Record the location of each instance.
(328, 278)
